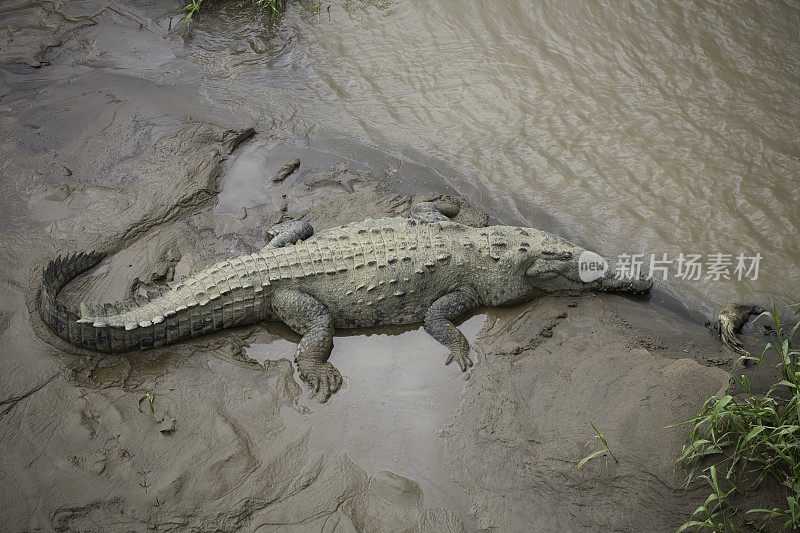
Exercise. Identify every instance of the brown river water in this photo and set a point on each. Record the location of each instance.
(630, 127)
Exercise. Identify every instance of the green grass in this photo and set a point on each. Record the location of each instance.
(604, 451)
(735, 444)
(192, 8)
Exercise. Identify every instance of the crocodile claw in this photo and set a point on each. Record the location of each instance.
(323, 378)
(730, 321)
(462, 358)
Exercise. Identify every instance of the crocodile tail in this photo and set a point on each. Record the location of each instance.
(60, 317)
(161, 317)
(107, 327)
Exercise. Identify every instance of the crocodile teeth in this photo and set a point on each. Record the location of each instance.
(145, 323)
(158, 319)
(131, 325)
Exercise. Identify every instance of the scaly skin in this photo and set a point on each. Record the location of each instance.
(385, 271)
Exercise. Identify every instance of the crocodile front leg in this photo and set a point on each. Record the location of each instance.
(427, 212)
(439, 326)
(308, 317)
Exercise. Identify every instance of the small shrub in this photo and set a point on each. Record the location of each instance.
(755, 435)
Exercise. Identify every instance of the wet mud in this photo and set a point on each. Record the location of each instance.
(162, 182)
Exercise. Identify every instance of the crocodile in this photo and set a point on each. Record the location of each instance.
(401, 270)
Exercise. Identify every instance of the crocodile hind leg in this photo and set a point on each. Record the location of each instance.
(308, 317)
(288, 232)
(439, 325)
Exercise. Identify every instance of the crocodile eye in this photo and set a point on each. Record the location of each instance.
(562, 255)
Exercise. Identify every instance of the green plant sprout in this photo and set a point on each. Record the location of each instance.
(151, 398)
(603, 451)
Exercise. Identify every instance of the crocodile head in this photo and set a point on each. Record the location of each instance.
(535, 263)
(570, 267)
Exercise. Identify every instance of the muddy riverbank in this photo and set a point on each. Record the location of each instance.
(110, 144)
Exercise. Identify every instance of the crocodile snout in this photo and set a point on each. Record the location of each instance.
(612, 282)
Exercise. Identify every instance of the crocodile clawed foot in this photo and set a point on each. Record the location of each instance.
(460, 357)
(323, 378)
